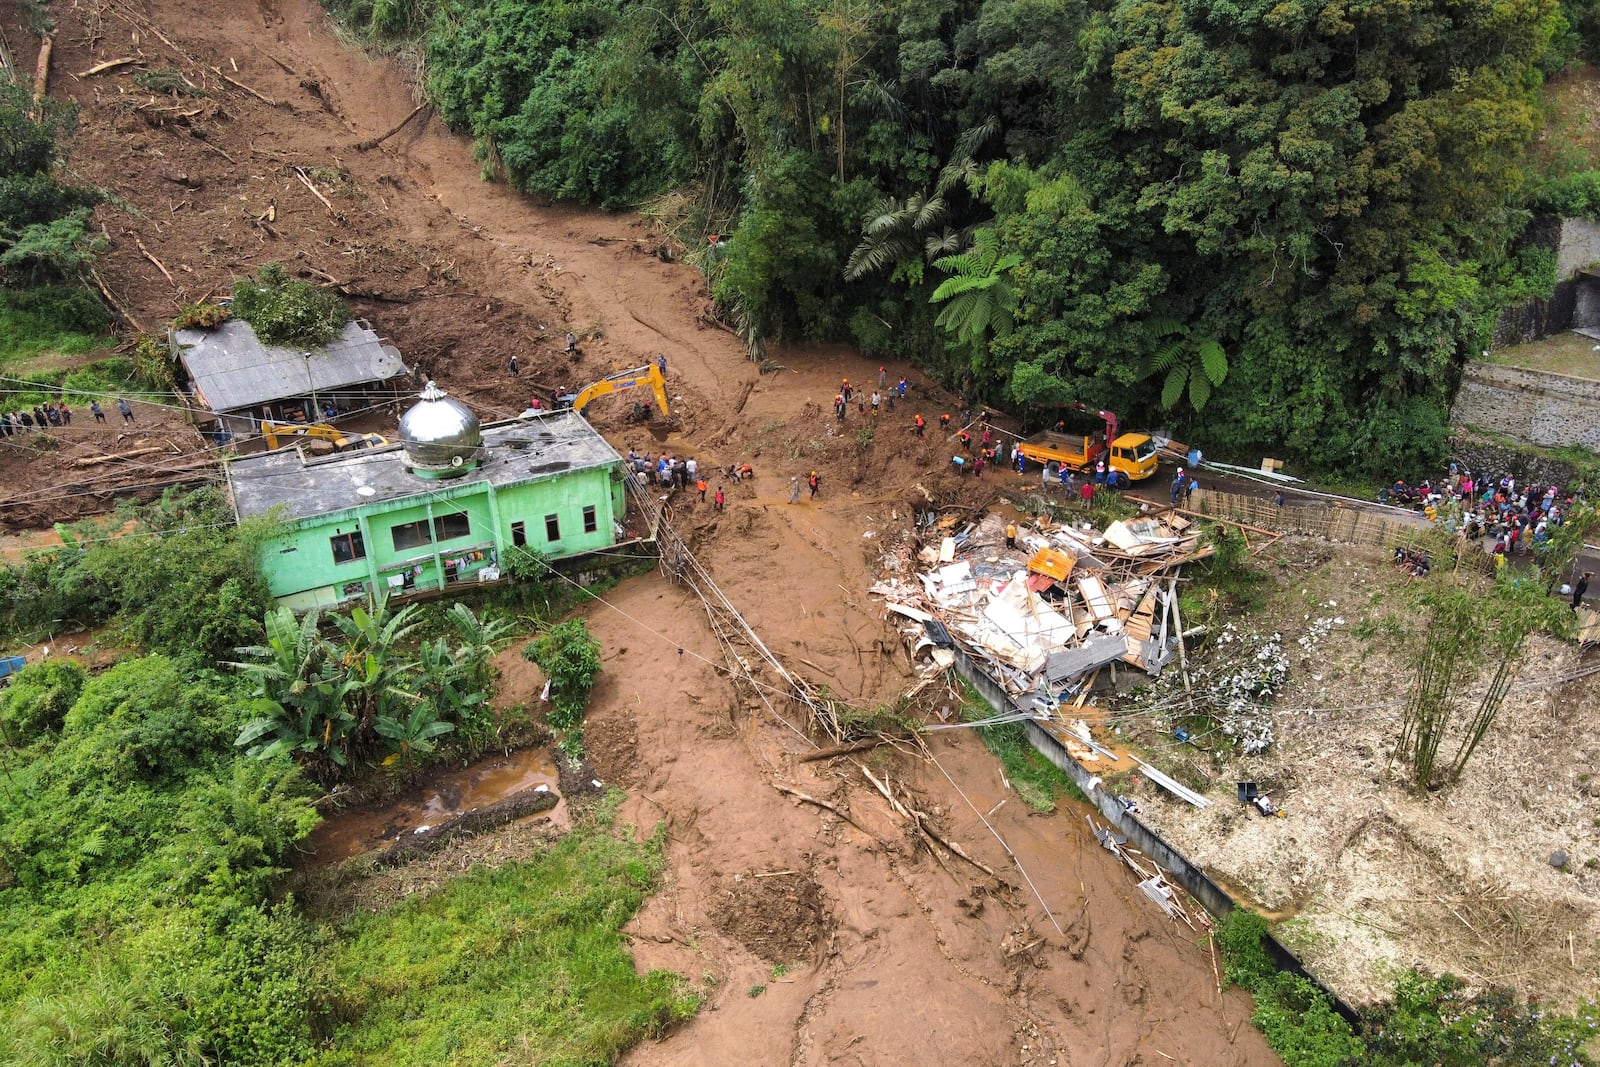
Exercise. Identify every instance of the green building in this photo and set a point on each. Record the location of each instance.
(442, 506)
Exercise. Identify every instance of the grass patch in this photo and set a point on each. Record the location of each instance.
(1564, 353)
(525, 962)
(50, 320)
(1037, 781)
(75, 387)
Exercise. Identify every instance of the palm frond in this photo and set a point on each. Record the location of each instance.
(925, 212)
(956, 172)
(971, 140)
(1214, 361)
(1172, 391)
(948, 243)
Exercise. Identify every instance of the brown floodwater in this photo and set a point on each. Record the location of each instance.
(441, 797)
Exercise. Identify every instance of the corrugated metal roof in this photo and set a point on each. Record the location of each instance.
(516, 451)
(231, 368)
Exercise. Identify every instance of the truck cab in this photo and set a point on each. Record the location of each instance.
(1134, 454)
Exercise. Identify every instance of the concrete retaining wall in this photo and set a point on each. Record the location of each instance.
(1578, 247)
(1553, 410)
(1180, 869)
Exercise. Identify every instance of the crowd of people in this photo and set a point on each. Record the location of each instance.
(1519, 518)
(40, 417)
(44, 416)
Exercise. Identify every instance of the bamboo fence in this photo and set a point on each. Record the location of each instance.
(1338, 522)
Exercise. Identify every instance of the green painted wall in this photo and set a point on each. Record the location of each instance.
(299, 564)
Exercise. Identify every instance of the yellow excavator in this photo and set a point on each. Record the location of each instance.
(648, 375)
(277, 434)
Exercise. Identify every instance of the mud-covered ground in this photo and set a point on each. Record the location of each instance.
(870, 949)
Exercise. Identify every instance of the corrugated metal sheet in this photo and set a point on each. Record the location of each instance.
(231, 368)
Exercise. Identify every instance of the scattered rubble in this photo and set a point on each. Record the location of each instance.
(1046, 613)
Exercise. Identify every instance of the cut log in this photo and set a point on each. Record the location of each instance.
(842, 750)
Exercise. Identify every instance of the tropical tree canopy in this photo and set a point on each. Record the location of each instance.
(1323, 197)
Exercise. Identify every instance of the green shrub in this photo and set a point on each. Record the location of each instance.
(572, 660)
(201, 316)
(37, 699)
(142, 718)
(184, 581)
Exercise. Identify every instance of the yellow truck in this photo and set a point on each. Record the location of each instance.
(1133, 454)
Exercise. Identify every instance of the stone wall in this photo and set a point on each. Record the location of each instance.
(1538, 317)
(1491, 458)
(1552, 410)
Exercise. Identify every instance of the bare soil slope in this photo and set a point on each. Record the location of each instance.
(870, 950)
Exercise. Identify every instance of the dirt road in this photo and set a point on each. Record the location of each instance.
(817, 940)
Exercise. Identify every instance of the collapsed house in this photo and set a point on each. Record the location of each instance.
(1044, 618)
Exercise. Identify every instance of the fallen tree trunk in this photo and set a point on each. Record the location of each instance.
(93, 461)
(41, 73)
(364, 146)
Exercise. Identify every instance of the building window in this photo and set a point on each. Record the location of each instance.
(454, 524)
(590, 523)
(519, 534)
(410, 535)
(348, 547)
(552, 528)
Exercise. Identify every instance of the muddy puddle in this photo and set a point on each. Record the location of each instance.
(441, 798)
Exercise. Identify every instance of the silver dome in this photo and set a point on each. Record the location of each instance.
(440, 433)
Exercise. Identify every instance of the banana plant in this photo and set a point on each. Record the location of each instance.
(412, 735)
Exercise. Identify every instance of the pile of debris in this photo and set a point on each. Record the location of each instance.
(1044, 615)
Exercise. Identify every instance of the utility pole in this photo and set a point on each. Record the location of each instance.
(311, 383)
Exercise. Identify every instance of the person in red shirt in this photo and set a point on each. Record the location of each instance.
(1086, 492)
(719, 498)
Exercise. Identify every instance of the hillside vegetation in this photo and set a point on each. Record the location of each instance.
(1297, 218)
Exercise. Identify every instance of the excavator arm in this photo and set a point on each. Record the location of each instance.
(648, 375)
(275, 434)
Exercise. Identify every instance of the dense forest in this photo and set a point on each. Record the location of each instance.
(1278, 225)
